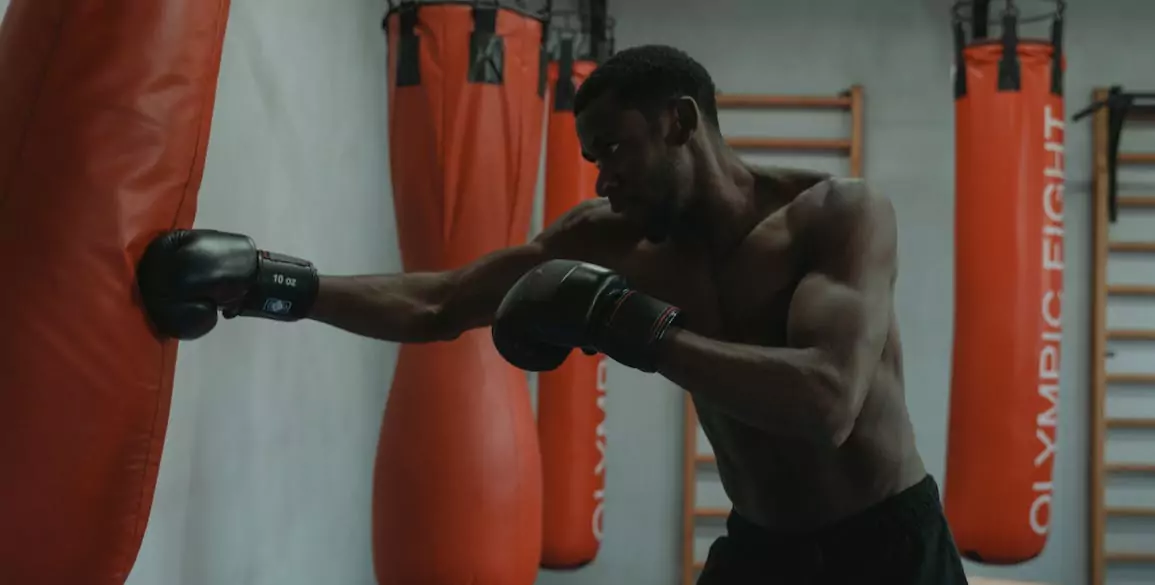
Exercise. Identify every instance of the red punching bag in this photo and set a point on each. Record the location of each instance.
(105, 109)
(571, 399)
(457, 487)
(1008, 293)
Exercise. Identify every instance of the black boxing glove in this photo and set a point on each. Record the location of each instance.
(564, 304)
(186, 276)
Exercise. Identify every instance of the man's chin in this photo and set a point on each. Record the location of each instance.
(654, 229)
(656, 234)
(655, 238)
(635, 219)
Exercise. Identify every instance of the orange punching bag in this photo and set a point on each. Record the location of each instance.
(105, 109)
(571, 399)
(457, 494)
(1008, 292)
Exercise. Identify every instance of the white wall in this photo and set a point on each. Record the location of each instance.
(266, 477)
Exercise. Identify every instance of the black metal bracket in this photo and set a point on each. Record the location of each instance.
(543, 56)
(601, 44)
(1120, 106)
(564, 91)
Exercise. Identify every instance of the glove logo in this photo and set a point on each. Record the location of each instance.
(277, 306)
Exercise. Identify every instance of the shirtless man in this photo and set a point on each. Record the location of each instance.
(768, 295)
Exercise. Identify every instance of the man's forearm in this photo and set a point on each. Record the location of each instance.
(418, 307)
(783, 391)
(405, 308)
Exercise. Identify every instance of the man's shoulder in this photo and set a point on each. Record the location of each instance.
(591, 210)
(844, 193)
(842, 223)
(842, 203)
(588, 231)
(587, 216)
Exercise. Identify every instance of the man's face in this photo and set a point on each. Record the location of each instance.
(639, 171)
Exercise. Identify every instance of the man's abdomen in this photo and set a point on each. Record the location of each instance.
(788, 484)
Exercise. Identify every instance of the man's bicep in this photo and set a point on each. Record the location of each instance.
(844, 306)
(476, 290)
(825, 314)
(588, 232)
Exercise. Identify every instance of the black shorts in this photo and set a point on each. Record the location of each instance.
(903, 540)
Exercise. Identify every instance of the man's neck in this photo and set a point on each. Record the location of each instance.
(732, 197)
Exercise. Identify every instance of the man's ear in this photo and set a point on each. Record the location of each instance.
(685, 121)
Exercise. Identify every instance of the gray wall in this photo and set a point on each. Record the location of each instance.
(266, 476)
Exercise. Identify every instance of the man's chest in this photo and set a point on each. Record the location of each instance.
(745, 298)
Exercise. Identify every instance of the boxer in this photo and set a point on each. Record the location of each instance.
(767, 294)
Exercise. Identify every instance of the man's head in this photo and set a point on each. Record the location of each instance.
(639, 115)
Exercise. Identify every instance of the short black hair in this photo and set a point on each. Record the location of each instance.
(644, 76)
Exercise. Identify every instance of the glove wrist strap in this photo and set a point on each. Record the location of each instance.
(285, 289)
(635, 325)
